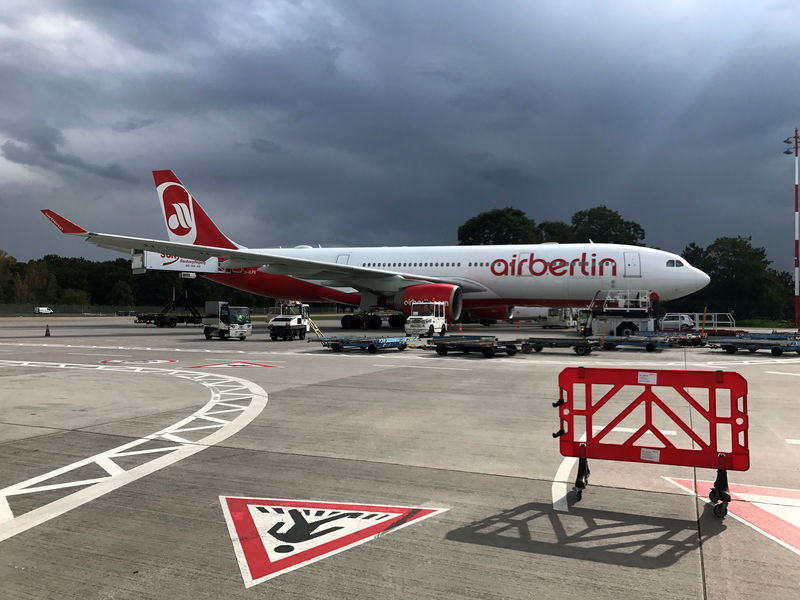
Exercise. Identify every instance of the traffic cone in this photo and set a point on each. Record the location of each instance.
(519, 324)
(460, 330)
(47, 331)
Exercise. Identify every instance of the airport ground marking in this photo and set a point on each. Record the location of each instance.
(273, 536)
(239, 399)
(773, 512)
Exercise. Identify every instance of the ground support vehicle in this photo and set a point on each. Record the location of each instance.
(488, 345)
(291, 321)
(370, 344)
(580, 345)
(427, 318)
(373, 319)
(226, 321)
(647, 340)
(167, 319)
(618, 312)
(776, 343)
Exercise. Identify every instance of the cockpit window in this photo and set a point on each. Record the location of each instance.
(670, 263)
(674, 263)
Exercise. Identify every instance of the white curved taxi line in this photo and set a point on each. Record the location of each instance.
(234, 403)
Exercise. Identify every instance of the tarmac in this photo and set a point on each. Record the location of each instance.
(140, 462)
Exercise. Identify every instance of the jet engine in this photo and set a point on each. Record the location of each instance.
(431, 292)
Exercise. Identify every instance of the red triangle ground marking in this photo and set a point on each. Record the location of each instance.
(234, 365)
(746, 505)
(274, 536)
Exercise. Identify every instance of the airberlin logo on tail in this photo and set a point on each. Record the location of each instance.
(178, 207)
(527, 265)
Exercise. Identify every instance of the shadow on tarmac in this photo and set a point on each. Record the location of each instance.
(625, 539)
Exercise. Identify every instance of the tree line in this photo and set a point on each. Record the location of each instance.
(742, 281)
(58, 280)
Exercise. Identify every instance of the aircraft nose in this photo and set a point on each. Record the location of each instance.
(702, 279)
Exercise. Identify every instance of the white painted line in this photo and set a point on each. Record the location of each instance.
(783, 373)
(558, 490)
(795, 442)
(223, 388)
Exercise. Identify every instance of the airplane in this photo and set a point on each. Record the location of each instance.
(487, 281)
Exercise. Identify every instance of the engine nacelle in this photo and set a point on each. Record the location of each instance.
(495, 313)
(450, 294)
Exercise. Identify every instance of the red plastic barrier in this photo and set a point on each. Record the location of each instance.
(705, 412)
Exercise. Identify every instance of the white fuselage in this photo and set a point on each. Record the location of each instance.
(523, 274)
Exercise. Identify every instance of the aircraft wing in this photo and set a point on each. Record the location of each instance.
(360, 278)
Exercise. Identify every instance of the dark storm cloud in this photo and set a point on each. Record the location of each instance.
(382, 123)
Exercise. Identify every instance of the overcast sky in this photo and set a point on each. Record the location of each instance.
(391, 123)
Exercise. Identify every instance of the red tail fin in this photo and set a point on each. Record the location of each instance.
(185, 219)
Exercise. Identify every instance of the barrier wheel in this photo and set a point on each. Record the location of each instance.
(487, 352)
(336, 347)
(720, 510)
(441, 350)
(581, 350)
(713, 495)
(776, 351)
(372, 348)
(538, 348)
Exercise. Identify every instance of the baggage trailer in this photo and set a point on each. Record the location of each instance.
(648, 341)
(776, 343)
(580, 345)
(370, 344)
(488, 345)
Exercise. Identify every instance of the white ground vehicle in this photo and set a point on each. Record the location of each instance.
(42, 310)
(291, 321)
(427, 318)
(618, 313)
(226, 321)
(676, 321)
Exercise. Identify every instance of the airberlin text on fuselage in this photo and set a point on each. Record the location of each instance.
(527, 266)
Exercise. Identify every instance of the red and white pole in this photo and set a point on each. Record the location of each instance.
(796, 236)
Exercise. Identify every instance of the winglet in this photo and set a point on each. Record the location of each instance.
(65, 225)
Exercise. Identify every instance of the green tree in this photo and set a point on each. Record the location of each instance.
(601, 224)
(7, 264)
(741, 281)
(499, 226)
(121, 294)
(71, 296)
(556, 231)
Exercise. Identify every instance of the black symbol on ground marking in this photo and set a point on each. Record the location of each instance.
(303, 531)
